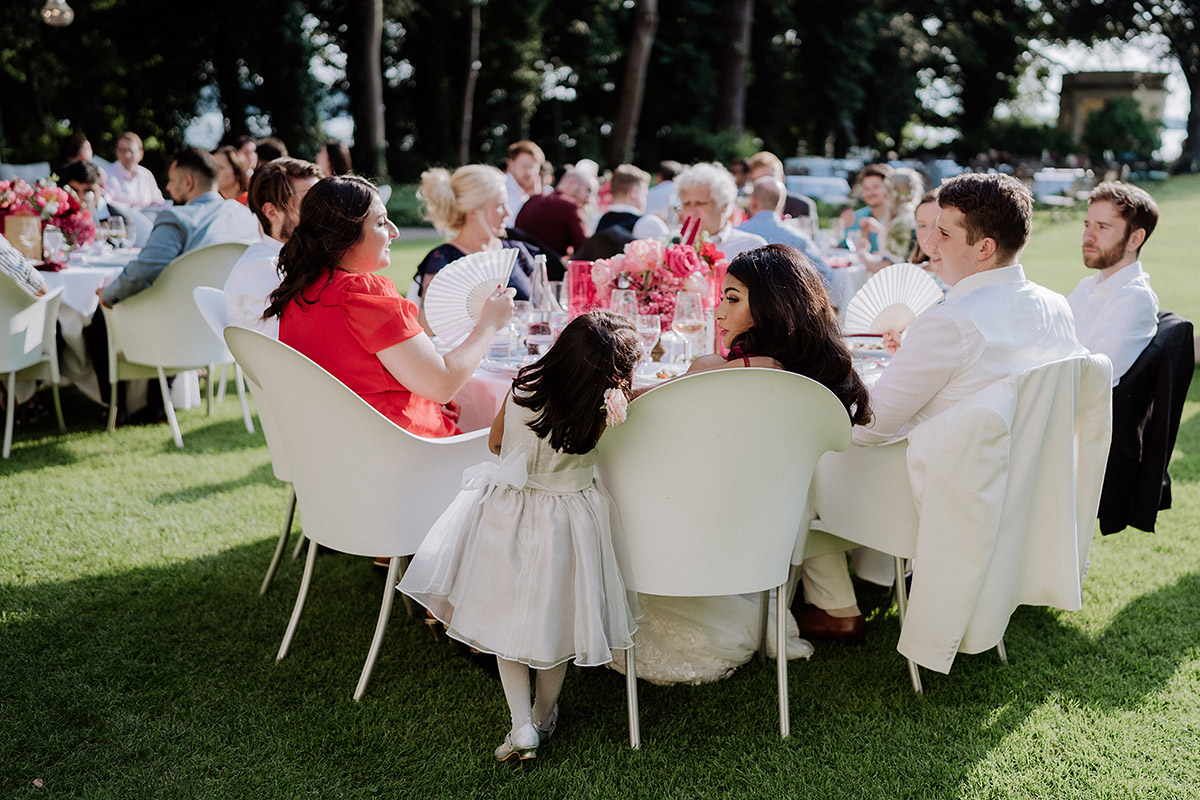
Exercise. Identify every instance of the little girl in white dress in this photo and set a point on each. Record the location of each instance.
(521, 564)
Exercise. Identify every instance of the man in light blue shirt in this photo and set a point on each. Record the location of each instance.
(764, 206)
(200, 217)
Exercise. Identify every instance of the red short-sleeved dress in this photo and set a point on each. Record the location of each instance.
(343, 325)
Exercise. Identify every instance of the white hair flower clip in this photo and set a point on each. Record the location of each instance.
(616, 403)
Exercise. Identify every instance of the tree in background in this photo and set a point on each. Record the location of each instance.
(1119, 127)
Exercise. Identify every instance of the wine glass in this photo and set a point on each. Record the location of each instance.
(623, 302)
(649, 328)
(116, 231)
(54, 241)
(689, 318)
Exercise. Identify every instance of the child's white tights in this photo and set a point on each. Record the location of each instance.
(514, 676)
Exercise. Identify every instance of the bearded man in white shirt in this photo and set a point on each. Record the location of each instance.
(276, 190)
(1116, 311)
(993, 323)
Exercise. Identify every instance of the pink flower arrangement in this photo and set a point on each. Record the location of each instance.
(50, 204)
(656, 271)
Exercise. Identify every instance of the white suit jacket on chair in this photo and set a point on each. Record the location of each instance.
(1007, 484)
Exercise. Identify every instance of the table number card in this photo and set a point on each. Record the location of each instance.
(25, 234)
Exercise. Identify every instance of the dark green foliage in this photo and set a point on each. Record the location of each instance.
(1120, 128)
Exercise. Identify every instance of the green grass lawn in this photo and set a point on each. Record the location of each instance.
(137, 658)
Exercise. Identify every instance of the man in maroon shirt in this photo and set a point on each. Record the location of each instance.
(556, 219)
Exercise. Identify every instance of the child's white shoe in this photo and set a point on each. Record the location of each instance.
(544, 733)
(522, 743)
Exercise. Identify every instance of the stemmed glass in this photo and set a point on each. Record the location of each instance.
(689, 318)
(54, 241)
(623, 302)
(116, 231)
(649, 328)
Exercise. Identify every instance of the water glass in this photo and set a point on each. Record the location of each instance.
(623, 302)
(116, 231)
(53, 241)
(649, 329)
(688, 320)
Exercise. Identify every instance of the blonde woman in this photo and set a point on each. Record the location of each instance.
(469, 207)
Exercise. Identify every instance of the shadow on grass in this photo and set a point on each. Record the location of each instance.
(263, 474)
(218, 436)
(160, 682)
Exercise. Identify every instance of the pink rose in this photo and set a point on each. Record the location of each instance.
(681, 260)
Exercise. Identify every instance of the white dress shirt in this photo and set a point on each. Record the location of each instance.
(249, 286)
(516, 197)
(731, 241)
(1116, 316)
(137, 189)
(992, 324)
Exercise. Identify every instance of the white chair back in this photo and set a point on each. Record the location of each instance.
(31, 172)
(27, 337)
(162, 326)
(364, 485)
(710, 474)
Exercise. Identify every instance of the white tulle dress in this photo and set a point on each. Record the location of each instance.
(701, 639)
(521, 564)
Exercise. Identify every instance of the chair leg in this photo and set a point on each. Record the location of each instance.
(112, 402)
(793, 584)
(385, 611)
(635, 732)
(781, 658)
(914, 672)
(299, 607)
(62, 425)
(241, 391)
(763, 602)
(282, 543)
(410, 606)
(299, 546)
(208, 389)
(169, 407)
(222, 383)
(10, 407)
(1000, 651)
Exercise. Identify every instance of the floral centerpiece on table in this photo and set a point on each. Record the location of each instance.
(656, 270)
(51, 204)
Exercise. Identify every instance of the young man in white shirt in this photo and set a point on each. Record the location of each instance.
(1116, 311)
(993, 323)
(129, 182)
(276, 191)
(522, 174)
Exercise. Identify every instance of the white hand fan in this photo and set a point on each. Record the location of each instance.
(454, 298)
(891, 299)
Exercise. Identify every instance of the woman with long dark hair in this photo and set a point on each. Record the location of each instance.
(334, 308)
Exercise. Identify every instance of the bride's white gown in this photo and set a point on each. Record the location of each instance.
(700, 639)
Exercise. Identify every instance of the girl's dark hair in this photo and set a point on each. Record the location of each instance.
(331, 222)
(795, 324)
(596, 351)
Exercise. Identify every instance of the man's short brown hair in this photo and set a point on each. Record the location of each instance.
(272, 183)
(884, 171)
(626, 178)
(998, 207)
(525, 146)
(1135, 206)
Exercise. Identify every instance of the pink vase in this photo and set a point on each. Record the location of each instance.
(581, 290)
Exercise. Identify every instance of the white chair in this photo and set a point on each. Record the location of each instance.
(27, 347)
(212, 305)
(31, 172)
(160, 330)
(365, 485)
(994, 500)
(709, 476)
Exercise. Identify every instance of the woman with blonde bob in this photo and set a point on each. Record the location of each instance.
(469, 207)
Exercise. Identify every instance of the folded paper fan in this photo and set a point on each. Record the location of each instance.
(891, 299)
(454, 298)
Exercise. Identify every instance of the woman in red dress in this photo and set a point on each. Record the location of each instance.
(333, 308)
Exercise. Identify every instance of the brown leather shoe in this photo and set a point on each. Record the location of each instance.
(815, 623)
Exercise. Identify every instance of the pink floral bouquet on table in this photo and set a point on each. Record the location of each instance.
(655, 271)
(51, 205)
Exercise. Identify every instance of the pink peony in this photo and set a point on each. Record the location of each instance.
(681, 260)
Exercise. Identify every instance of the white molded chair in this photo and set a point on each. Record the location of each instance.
(1002, 491)
(27, 347)
(160, 330)
(709, 476)
(212, 305)
(365, 485)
